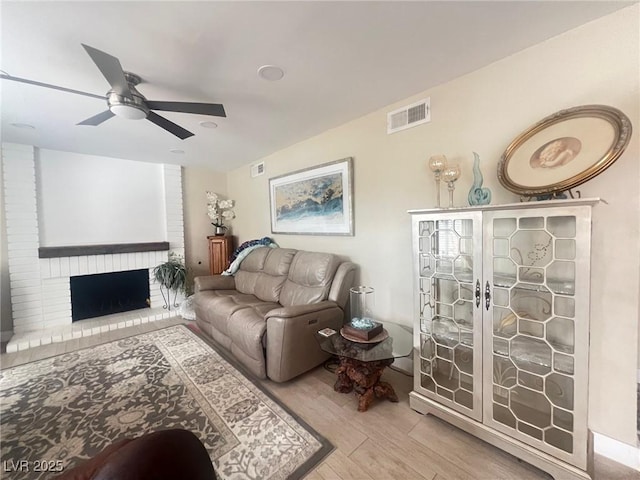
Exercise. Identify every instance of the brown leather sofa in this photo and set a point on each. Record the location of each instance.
(267, 314)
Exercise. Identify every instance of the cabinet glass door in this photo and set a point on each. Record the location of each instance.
(535, 368)
(450, 347)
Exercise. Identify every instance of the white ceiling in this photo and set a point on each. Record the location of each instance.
(341, 61)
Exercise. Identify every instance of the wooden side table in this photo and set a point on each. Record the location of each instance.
(364, 378)
(220, 249)
(362, 364)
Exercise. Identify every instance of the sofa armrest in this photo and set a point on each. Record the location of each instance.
(294, 311)
(291, 345)
(214, 282)
(342, 282)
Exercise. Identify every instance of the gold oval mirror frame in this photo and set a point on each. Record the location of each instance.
(564, 150)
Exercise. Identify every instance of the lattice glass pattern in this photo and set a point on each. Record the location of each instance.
(534, 326)
(446, 309)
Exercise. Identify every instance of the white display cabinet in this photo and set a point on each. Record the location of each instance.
(501, 329)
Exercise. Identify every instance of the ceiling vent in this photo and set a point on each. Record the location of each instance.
(257, 169)
(409, 116)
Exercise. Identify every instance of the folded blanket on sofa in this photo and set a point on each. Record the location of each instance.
(245, 249)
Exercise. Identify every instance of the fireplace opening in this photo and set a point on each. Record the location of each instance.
(107, 293)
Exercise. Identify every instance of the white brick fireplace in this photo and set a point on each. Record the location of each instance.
(40, 287)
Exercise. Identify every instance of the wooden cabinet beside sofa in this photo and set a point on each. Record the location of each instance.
(220, 250)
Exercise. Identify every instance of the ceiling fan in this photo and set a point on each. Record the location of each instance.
(125, 101)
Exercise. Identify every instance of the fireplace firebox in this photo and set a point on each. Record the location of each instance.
(107, 293)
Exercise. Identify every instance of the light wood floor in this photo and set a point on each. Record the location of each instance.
(390, 441)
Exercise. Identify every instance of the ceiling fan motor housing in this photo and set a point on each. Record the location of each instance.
(131, 108)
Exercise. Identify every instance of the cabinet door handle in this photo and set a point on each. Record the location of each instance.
(477, 293)
(487, 295)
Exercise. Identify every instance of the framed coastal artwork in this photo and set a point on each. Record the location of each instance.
(314, 201)
(564, 150)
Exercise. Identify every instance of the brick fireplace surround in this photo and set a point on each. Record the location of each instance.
(40, 287)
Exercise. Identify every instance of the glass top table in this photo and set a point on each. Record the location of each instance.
(398, 344)
(362, 364)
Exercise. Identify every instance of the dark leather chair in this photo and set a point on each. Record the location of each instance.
(163, 455)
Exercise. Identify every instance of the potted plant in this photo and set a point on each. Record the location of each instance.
(171, 275)
(218, 211)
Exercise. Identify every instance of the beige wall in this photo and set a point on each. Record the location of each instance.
(483, 111)
(197, 226)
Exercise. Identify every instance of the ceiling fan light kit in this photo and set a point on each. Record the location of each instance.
(131, 107)
(123, 107)
(124, 100)
(129, 112)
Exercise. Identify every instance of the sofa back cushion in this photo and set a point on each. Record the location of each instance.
(309, 279)
(263, 272)
(251, 266)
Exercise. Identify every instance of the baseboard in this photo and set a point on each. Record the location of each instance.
(618, 451)
(6, 335)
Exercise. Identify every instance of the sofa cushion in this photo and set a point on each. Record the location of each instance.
(309, 279)
(263, 272)
(274, 274)
(216, 307)
(247, 276)
(278, 261)
(247, 327)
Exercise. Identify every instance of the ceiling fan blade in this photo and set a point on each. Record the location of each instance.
(48, 85)
(111, 69)
(169, 126)
(214, 109)
(98, 119)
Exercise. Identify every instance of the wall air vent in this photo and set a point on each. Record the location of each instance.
(257, 169)
(409, 116)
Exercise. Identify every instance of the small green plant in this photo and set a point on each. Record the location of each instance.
(171, 275)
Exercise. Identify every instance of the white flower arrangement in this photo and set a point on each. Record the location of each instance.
(219, 210)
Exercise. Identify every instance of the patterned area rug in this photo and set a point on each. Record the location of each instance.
(70, 407)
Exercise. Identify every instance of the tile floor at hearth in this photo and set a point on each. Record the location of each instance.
(85, 328)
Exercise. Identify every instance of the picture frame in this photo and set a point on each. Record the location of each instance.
(313, 201)
(564, 150)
